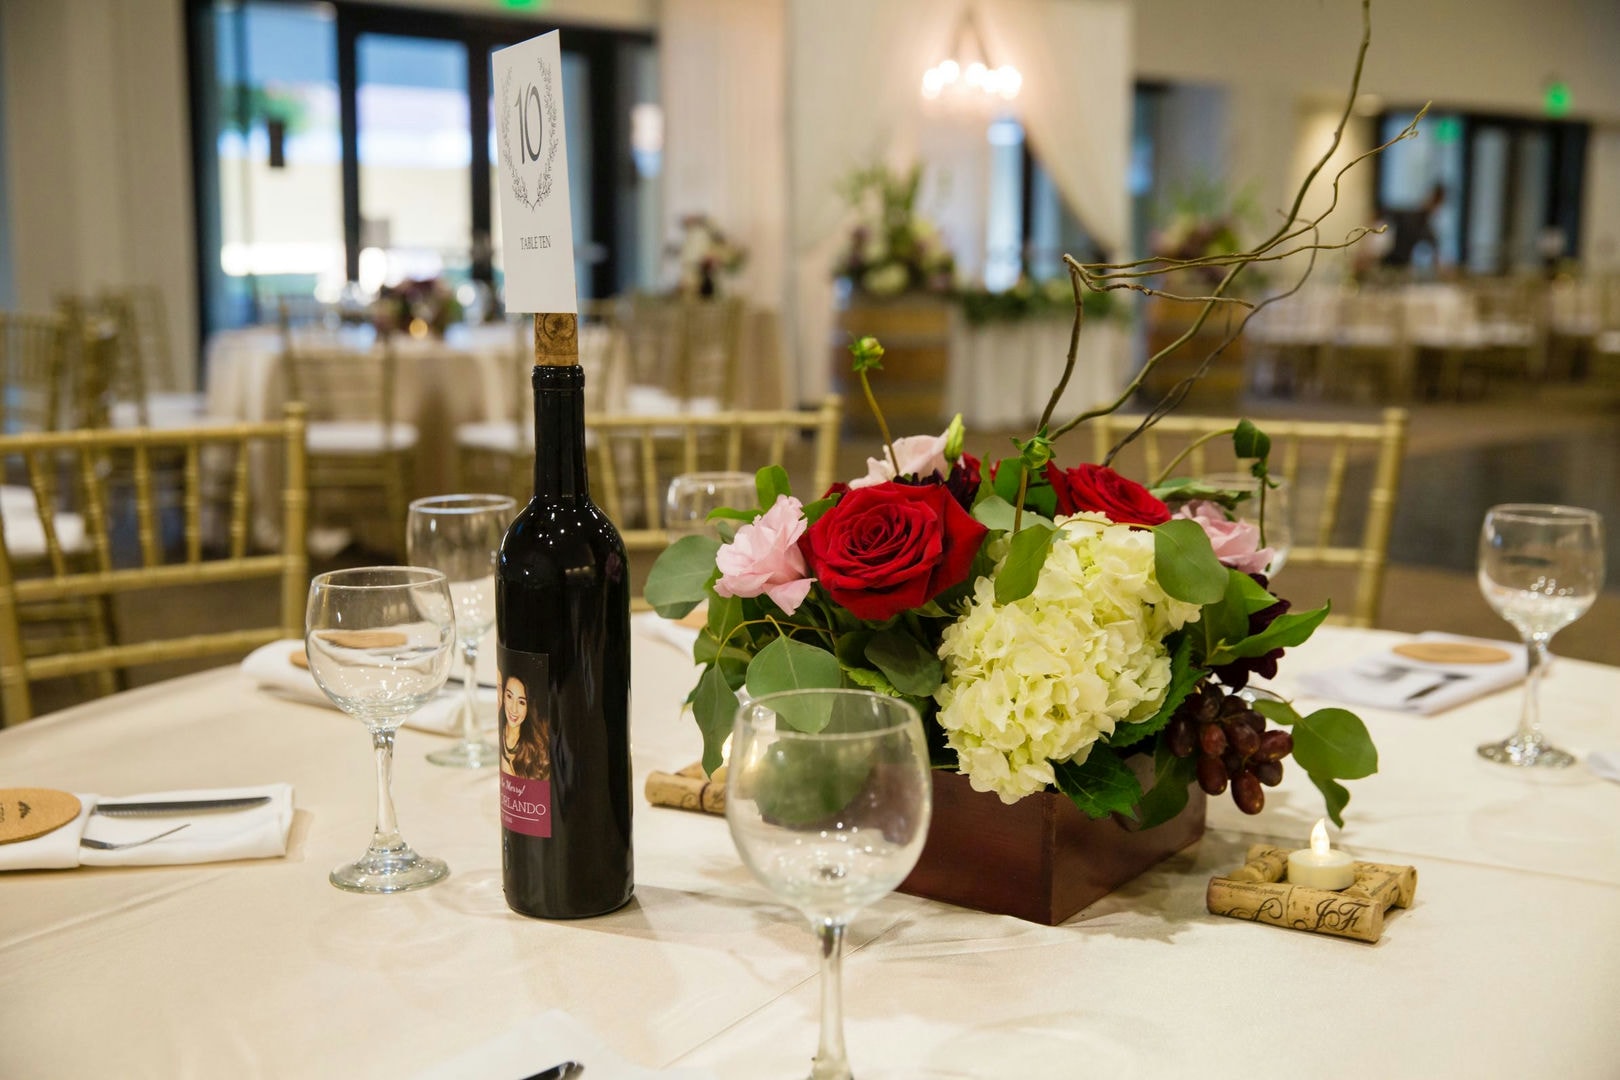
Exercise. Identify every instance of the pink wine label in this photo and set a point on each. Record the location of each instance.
(526, 742)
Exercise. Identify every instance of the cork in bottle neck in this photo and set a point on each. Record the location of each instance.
(556, 340)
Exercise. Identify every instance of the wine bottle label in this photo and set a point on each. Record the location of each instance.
(526, 742)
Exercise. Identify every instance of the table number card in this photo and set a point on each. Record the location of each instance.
(537, 240)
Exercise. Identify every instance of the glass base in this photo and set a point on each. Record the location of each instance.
(1525, 754)
(397, 870)
(467, 755)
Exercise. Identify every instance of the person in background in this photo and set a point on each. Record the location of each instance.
(1413, 227)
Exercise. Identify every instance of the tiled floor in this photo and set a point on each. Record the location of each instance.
(1555, 446)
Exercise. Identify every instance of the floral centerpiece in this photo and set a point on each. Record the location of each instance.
(891, 249)
(702, 254)
(1048, 622)
(1030, 299)
(418, 308)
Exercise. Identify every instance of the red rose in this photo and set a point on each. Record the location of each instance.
(891, 547)
(1101, 489)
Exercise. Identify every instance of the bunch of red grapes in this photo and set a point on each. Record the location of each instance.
(1232, 744)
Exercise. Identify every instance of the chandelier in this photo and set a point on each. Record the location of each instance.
(966, 78)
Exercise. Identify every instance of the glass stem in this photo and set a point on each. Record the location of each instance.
(469, 715)
(386, 835)
(831, 1063)
(1530, 719)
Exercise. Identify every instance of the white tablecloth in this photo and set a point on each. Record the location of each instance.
(1001, 374)
(1507, 966)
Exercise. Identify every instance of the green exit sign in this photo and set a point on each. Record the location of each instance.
(524, 5)
(1557, 99)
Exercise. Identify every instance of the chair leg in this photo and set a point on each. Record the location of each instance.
(396, 484)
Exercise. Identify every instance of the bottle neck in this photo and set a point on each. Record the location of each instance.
(559, 433)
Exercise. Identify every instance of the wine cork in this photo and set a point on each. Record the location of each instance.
(556, 340)
(1318, 911)
(707, 795)
(1391, 886)
(1265, 864)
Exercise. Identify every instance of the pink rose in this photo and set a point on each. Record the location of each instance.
(764, 557)
(1236, 543)
(922, 456)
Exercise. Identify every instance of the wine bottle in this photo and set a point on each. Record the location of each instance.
(562, 615)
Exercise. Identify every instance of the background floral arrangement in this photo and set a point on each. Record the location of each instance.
(1034, 299)
(702, 255)
(431, 300)
(891, 249)
(1047, 622)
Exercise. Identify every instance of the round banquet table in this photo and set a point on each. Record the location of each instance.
(1508, 964)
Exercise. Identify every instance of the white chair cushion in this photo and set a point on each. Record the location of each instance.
(25, 535)
(358, 437)
(502, 436)
(165, 412)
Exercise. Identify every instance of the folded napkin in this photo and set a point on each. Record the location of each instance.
(272, 668)
(675, 633)
(258, 832)
(1605, 763)
(1421, 677)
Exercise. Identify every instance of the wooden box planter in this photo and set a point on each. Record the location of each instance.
(1039, 859)
(916, 332)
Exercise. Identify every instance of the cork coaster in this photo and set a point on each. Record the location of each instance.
(364, 639)
(1452, 652)
(29, 812)
(299, 658)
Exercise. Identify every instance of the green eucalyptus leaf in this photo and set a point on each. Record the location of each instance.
(786, 664)
(912, 668)
(1285, 632)
(814, 510)
(679, 579)
(1334, 743)
(1168, 795)
(1006, 481)
(1334, 795)
(867, 679)
(1022, 567)
(732, 661)
(1184, 677)
(714, 705)
(994, 513)
(1185, 564)
(770, 482)
(1278, 712)
(725, 616)
(726, 513)
(1249, 441)
(1100, 785)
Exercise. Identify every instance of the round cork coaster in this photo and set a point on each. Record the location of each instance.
(1452, 652)
(364, 639)
(29, 812)
(299, 658)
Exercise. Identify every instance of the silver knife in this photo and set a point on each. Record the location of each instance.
(179, 806)
(566, 1071)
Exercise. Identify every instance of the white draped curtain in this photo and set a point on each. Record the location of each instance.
(855, 70)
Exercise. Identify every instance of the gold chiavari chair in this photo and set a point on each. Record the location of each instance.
(1314, 457)
(140, 379)
(636, 456)
(360, 457)
(80, 455)
(34, 372)
(684, 354)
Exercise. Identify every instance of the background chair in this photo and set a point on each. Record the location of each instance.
(636, 456)
(35, 385)
(1331, 468)
(360, 457)
(46, 457)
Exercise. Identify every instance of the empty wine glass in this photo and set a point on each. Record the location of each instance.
(460, 536)
(692, 495)
(828, 798)
(1277, 527)
(378, 640)
(1540, 567)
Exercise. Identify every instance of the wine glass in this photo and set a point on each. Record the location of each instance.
(828, 797)
(460, 535)
(378, 640)
(692, 495)
(1540, 567)
(1277, 527)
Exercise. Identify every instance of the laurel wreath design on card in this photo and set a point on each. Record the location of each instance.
(545, 95)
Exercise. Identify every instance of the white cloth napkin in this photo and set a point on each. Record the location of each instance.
(270, 667)
(1606, 763)
(550, 1039)
(258, 832)
(668, 631)
(1388, 680)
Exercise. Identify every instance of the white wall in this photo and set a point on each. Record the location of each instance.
(98, 170)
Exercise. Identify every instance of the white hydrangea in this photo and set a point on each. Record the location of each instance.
(1043, 678)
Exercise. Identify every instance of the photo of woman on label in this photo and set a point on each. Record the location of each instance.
(525, 736)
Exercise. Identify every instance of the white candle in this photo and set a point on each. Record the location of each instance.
(1319, 866)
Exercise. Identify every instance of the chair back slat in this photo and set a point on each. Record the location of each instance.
(84, 573)
(33, 371)
(239, 504)
(1315, 457)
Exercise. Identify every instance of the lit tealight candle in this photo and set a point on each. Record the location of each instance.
(1320, 867)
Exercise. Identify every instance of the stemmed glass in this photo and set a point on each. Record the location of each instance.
(828, 798)
(1540, 567)
(1278, 529)
(378, 640)
(460, 535)
(692, 495)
